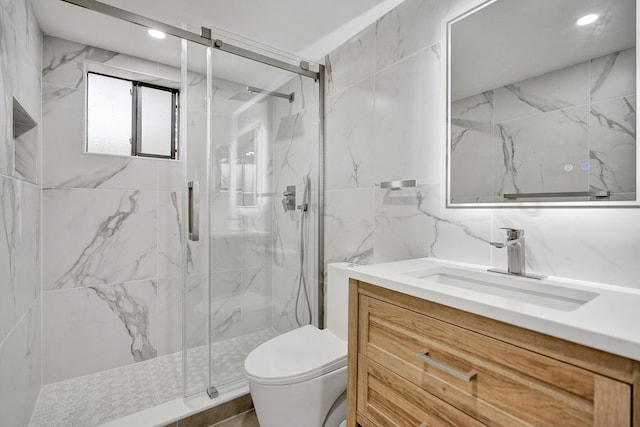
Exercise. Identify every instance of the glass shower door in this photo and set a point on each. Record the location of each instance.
(251, 149)
(264, 142)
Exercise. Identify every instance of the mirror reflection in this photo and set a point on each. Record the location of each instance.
(542, 104)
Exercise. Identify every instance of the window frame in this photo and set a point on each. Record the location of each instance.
(136, 117)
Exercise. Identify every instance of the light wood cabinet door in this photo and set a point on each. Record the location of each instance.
(511, 386)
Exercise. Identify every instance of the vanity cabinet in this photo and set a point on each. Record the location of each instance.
(413, 362)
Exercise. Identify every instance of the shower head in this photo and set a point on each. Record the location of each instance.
(257, 90)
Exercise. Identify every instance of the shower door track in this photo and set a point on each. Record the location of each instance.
(203, 39)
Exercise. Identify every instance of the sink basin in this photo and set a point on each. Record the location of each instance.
(513, 288)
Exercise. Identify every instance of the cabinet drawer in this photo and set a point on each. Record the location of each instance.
(386, 399)
(511, 386)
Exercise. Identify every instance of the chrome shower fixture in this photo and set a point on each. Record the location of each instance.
(256, 90)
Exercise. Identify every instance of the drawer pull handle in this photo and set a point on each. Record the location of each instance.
(423, 425)
(464, 376)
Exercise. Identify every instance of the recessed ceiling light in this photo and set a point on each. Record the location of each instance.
(157, 34)
(587, 19)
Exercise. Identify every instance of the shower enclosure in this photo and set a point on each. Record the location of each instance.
(200, 256)
(252, 184)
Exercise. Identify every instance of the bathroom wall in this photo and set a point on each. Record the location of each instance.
(587, 114)
(112, 260)
(295, 154)
(20, 215)
(384, 122)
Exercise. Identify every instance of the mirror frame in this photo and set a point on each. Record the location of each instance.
(467, 8)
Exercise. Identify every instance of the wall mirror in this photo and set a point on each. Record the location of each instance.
(541, 104)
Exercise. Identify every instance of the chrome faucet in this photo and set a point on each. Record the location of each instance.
(515, 254)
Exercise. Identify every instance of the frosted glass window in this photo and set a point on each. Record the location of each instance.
(109, 115)
(155, 121)
(131, 118)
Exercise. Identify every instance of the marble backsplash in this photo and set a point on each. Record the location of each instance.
(383, 122)
(568, 130)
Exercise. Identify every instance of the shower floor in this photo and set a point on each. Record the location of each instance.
(108, 395)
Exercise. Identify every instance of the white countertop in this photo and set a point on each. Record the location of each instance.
(608, 322)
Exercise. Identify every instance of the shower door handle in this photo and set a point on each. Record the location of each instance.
(193, 219)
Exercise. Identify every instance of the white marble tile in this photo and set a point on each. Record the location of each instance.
(195, 319)
(284, 286)
(87, 330)
(613, 145)
(9, 223)
(226, 304)
(614, 75)
(473, 111)
(19, 250)
(352, 62)
(169, 315)
(410, 27)
(169, 234)
(407, 119)
(472, 159)
(20, 369)
(412, 223)
(349, 132)
(596, 245)
(543, 152)
(553, 91)
(7, 76)
(65, 163)
(306, 94)
(256, 299)
(93, 237)
(349, 225)
(226, 250)
(62, 61)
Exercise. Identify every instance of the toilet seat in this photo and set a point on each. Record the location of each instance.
(296, 356)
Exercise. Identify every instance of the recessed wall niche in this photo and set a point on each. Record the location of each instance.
(26, 143)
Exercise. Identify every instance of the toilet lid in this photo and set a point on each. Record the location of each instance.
(296, 356)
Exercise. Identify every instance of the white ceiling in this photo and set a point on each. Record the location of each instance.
(306, 29)
(513, 40)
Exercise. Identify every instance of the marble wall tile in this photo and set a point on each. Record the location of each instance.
(20, 369)
(7, 75)
(613, 75)
(170, 229)
(352, 62)
(27, 156)
(91, 329)
(553, 91)
(226, 250)
(226, 304)
(410, 27)
(407, 119)
(593, 245)
(256, 299)
(613, 145)
(472, 160)
(19, 250)
(109, 236)
(413, 223)
(9, 223)
(349, 225)
(473, 111)
(542, 152)
(349, 132)
(170, 315)
(65, 163)
(196, 297)
(284, 287)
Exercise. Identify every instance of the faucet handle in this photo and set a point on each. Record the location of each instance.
(513, 233)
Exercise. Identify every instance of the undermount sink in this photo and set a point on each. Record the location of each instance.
(510, 287)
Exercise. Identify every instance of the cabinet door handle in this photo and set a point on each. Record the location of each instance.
(423, 425)
(464, 376)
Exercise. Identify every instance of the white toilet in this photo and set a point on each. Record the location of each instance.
(300, 378)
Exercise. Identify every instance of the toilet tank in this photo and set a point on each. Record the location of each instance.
(337, 298)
